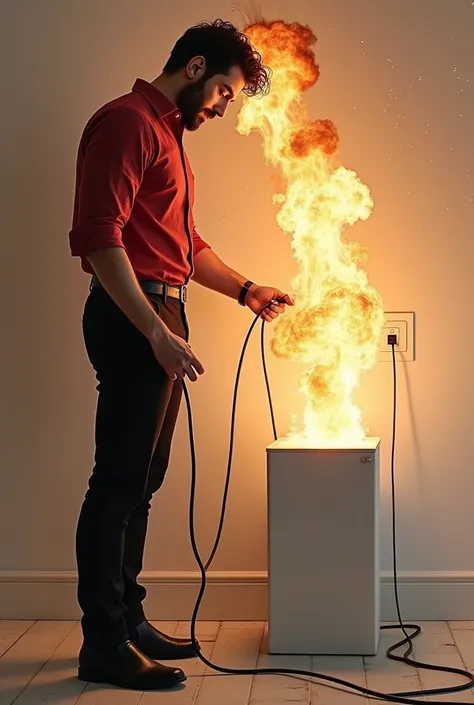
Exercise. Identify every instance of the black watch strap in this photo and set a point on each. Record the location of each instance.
(243, 292)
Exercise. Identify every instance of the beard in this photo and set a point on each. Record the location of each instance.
(190, 102)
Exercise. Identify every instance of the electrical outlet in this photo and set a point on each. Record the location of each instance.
(385, 346)
(403, 326)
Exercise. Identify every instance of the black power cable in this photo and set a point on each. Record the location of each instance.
(399, 697)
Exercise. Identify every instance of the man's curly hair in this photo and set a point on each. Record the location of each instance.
(223, 46)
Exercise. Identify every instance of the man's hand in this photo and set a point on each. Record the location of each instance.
(175, 356)
(258, 296)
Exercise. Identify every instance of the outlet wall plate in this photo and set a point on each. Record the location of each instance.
(402, 324)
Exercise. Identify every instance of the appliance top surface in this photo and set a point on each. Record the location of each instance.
(295, 444)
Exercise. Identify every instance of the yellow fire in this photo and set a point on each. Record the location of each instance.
(335, 326)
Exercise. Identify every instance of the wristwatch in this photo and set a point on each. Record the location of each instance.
(243, 292)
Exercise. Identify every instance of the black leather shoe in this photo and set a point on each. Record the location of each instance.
(172, 639)
(127, 667)
(157, 645)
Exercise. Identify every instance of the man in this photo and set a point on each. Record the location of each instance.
(133, 229)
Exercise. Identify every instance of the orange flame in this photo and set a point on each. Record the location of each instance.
(336, 323)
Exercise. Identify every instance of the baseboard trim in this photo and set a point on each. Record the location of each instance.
(230, 595)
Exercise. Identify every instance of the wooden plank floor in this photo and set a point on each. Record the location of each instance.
(38, 664)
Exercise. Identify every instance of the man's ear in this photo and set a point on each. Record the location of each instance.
(196, 68)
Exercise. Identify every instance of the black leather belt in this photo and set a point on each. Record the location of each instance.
(153, 287)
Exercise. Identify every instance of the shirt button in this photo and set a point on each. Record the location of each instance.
(177, 115)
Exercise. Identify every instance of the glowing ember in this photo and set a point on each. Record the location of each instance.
(335, 326)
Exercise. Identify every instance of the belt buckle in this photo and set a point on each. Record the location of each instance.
(184, 294)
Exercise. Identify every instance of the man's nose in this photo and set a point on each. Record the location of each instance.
(220, 109)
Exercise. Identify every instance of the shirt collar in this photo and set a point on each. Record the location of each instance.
(162, 105)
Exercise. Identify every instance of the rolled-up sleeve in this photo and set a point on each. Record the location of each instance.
(114, 152)
(198, 243)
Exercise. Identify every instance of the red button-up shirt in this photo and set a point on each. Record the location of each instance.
(135, 187)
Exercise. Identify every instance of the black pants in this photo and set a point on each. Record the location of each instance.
(136, 416)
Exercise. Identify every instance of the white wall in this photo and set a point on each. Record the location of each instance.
(388, 71)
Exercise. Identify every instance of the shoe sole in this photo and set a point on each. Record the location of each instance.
(91, 675)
